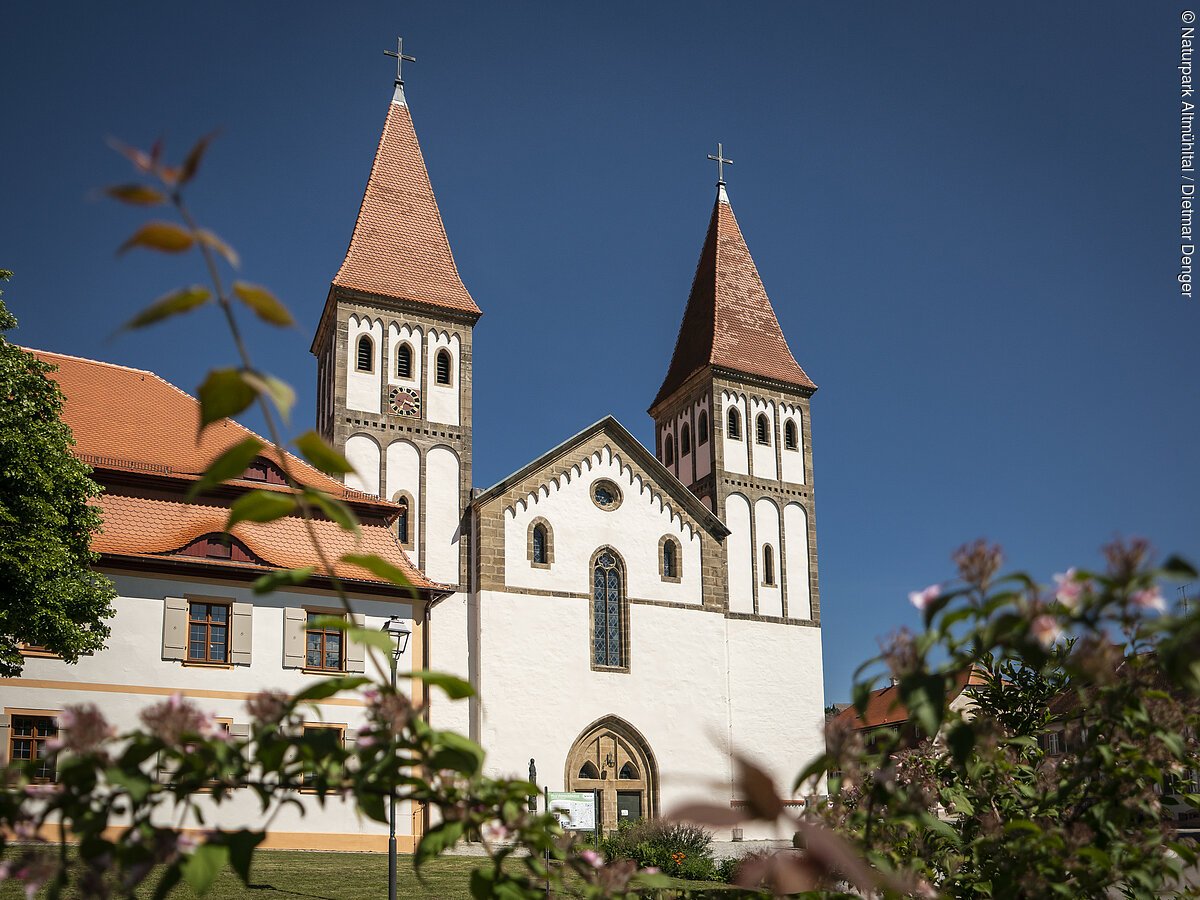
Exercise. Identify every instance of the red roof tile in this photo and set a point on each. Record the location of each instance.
(729, 321)
(399, 247)
(884, 706)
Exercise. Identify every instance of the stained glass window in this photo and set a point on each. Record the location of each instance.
(606, 603)
(539, 544)
(604, 494)
(669, 559)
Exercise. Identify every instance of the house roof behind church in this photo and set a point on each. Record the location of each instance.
(729, 322)
(399, 247)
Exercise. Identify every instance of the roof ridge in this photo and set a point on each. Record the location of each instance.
(87, 359)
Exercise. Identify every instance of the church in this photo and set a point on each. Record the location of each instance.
(672, 591)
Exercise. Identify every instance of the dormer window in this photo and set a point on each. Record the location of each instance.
(264, 470)
(218, 545)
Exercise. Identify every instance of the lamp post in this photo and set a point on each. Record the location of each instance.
(395, 628)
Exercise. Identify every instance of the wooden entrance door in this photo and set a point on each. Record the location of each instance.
(612, 759)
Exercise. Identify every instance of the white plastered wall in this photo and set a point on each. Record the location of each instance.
(580, 528)
(403, 473)
(703, 451)
(398, 334)
(687, 472)
(735, 452)
(792, 461)
(441, 400)
(764, 454)
(362, 452)
(669, 437)
(363, 389)
(795, 535)
(442, 515)
(766, 529)
(130, 675)
(777, 700)
(738, 554)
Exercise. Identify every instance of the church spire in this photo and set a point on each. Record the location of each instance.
(729, 322)
(399, 247)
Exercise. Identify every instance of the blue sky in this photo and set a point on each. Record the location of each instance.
(966, 217)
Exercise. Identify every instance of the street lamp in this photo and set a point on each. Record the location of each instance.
(396, 630)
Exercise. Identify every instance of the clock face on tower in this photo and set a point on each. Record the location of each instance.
(405, 401)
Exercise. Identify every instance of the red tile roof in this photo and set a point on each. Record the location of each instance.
(884, 706)
(399, 247)
(129, 420)
(729, 322)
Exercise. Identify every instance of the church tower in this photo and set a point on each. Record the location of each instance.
(732, 423)
(393, 352)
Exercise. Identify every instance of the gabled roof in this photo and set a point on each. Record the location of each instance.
(729, 322)
(632, 447)
(399, 247)
(131, 424)
(884, 706)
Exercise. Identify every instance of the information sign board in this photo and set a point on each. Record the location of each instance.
(576, 810)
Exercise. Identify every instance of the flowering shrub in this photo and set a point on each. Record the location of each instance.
(674, 848)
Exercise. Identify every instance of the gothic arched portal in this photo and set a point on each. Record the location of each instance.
(612, 759)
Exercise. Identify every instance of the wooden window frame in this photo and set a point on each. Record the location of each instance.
(437, 367)
(36, 739)
(340, 727)
(358, 345)
(324, 632)
(207, 623)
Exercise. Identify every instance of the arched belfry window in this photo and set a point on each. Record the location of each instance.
(402, 522)
(443, 367)
(366, 355)
(762, 429)
(733, 425)
(790, 439)
(768, 572)
(404, 360)
(608, 612)
(685, 440)
(669, 451)
(702, 429)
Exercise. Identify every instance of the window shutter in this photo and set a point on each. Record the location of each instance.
(356, 660)
(5, 724)
(241, 638)
(350, 738)
(239, 731)
(175, 626)
(294, 627)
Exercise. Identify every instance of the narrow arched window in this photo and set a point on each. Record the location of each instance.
(402, 521)
(734, 424)
(628, 772)
(762, 429)
(589, 770)
(608, 629)
(790, 440)
(404, 360)
(366, 354)
(443, 367)
(702, 429)
(768, 564)
(669, 451)
(539, 544)
(669, 559)
(685, 440)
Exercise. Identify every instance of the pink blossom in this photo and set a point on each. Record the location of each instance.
(185, 844)
(922, 599)
(1046, 629)
(363, 741)
(1069, 588)
(267, 707)
(1150, 598)
(495, 831)
(651, 870)
(82, 729)
(175, 718)
(592, 858)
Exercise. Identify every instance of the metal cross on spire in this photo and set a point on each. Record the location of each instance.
(400, 58)
(721, 161)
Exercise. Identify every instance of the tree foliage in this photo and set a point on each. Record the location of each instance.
(51, 597)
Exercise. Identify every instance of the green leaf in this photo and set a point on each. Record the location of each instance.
(208, 239)
(313, 447)
(371, 637)
(188, 170)
(225, 392)
(372, 805)
(439, 838)
(173, 304)
(136, 194)
(280, 392)
(327, 687)
(201, 869)
(230, 464)
(264, 304)
(1178, 567)
(453, 751)
(283, 578)
(241, 850)
(377, 565)
(170, 878)
(455, 688)
(961, 740)
(166, 237)
(335, 509)
(260, 506)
